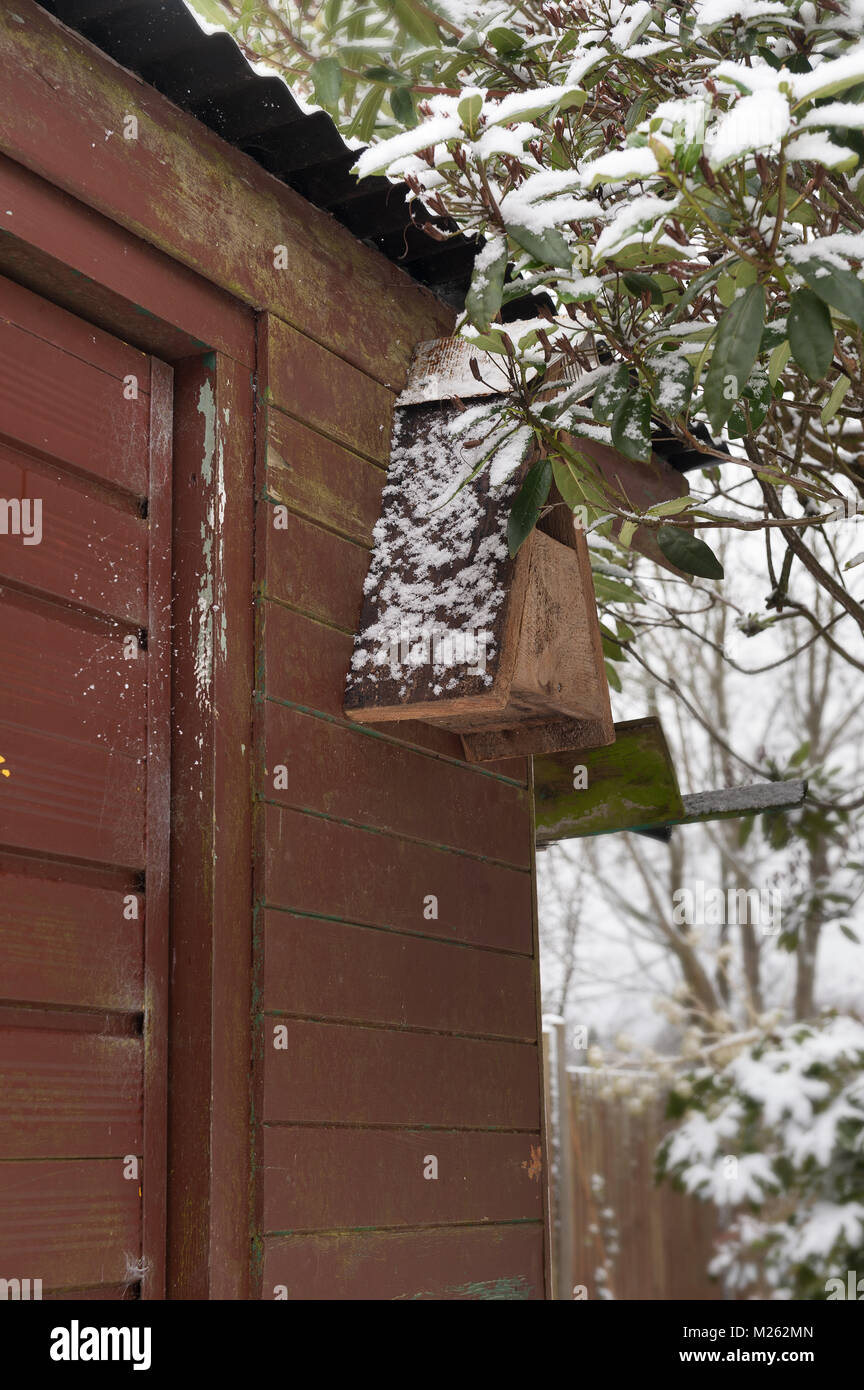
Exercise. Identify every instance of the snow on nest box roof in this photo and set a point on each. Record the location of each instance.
(441, 368)
(440, 570)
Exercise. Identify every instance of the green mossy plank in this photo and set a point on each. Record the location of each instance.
(631, 785)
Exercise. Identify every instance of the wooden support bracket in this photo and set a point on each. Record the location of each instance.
(632, 785)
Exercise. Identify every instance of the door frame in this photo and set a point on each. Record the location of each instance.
(157, 923)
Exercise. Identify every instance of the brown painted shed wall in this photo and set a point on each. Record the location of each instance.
(387, 1037)
(405, 1036)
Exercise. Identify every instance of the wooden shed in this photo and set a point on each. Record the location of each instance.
(269, 1023)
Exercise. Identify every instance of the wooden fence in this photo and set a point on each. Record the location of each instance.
(615, 1232)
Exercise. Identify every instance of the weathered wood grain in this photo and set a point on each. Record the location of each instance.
(37, 317)
(157, 955)
(326, 1179)
(501, 1263)
(60, 407)
(78, 1223)
(559, 664)
(323, 481)
(311, 865)
(329, 970)
(91, 554)
(558, 695)
(310, 568)
(327, 392)
(69, 1095)
(70, 677)
(391, 788)
(211, 864)
(65, 943)
(533, 738)
(378, 1076)
(79, 800)
(742, 801)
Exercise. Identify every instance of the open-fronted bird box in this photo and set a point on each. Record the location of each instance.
(454, 631)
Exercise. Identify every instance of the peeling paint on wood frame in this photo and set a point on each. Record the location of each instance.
(208, 618)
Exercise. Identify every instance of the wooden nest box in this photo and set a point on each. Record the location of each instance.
(505, 652)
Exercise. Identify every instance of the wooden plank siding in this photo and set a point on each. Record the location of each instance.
(78, 1219)
(390, 1032)
(335, 1179)
(447, 1262)
(84, 802)
(294, 1171)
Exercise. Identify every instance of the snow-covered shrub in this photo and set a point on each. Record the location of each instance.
(776, 1140)
(666, 202)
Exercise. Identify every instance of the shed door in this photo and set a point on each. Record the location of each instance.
(85, 449)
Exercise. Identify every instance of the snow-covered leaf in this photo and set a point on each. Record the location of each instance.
(631, 426)
(836, 286)
(527, 106)
(610, 392)
(483, 299)
(735, 348)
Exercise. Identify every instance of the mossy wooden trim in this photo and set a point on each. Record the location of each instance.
(182, 189)
(630, 784)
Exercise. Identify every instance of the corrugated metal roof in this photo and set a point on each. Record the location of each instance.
(208, 76)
